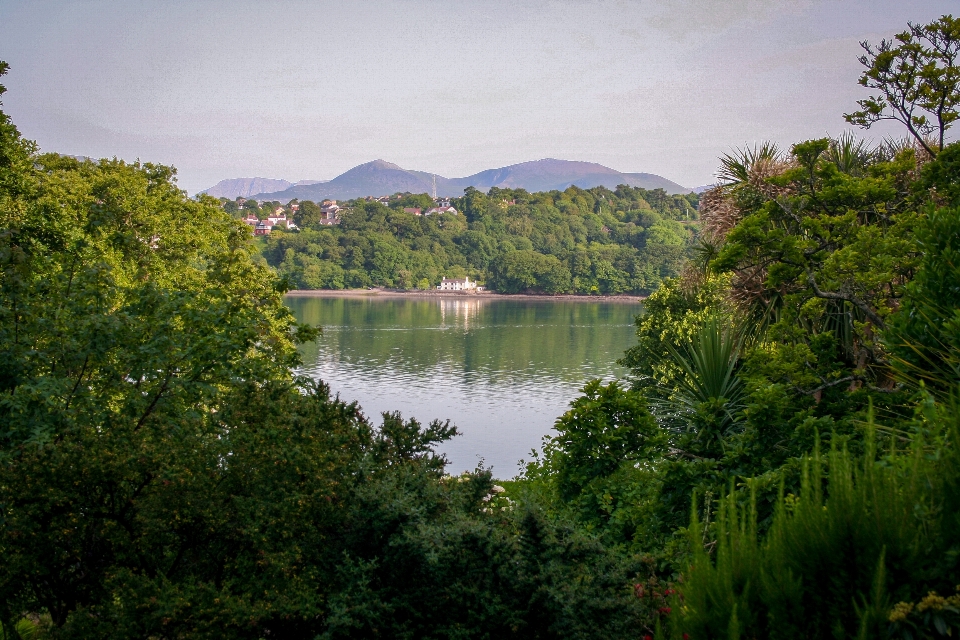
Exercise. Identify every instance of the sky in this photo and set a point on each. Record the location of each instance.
(307, 90)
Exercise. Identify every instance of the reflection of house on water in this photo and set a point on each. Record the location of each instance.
(452, 310)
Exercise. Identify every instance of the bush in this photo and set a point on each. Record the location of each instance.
(839, 556)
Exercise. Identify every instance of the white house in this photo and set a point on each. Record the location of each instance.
(278, 219)
(454, 284)
(439, 210)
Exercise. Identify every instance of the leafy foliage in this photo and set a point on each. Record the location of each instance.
(583, 241)
(837, 556)
(163, 474)
(918, 81)
(604, 429)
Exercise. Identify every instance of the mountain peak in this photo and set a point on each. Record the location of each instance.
(380, 164)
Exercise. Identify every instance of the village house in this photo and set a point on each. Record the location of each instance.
(458, 284)
(263, 228)
(278, 218)
(439, 210)
(414, 210)
(329, 209)
(251, 220)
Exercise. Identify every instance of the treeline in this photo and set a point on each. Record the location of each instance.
(579, 240)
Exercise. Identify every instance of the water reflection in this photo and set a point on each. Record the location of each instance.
(459, 311)
(501, 370)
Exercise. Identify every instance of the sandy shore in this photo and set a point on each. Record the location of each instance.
(434, 294)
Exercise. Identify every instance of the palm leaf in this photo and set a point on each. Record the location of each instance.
(709, 364)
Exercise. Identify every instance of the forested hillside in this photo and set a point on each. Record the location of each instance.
(582, 241)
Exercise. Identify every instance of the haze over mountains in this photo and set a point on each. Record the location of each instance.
(381, 178)
(246, 187)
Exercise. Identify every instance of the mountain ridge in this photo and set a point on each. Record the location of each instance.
(380, 178)
(245, 187)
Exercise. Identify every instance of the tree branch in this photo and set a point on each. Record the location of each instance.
(832, 383)
(155, 400)
(830, 295)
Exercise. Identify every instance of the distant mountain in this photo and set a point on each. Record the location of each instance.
(381, 178)
(245, 187)
(549, 174)
(705, 187)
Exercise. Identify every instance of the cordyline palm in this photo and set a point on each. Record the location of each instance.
(850, 154)
(750, 165)
(709, 382)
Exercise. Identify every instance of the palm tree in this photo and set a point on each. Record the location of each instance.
(707, 398)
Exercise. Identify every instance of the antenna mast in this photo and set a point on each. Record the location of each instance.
(434, 186)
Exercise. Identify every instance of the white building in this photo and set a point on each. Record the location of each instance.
(329, 209)
(279, 219)
(454, 284)
(440, 210)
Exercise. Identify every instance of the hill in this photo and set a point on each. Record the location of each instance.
(572, 241)
(380, 178)
(550, 174)
(245, 187)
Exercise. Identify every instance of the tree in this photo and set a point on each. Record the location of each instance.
(918, 79)
(825, 243)
(528, 270)
(605, 427)
(924, 335)
(308, 215)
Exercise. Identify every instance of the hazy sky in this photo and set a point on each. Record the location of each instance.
(306, 90)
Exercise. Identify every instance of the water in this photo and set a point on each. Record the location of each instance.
(501, 370)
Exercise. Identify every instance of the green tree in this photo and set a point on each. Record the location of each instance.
(923, 335)
(529, 270)
(308, 215)
(605, 428)
(918, 79)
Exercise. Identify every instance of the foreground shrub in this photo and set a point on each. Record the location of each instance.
(838, 557)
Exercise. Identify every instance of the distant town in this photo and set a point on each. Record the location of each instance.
(283, 216)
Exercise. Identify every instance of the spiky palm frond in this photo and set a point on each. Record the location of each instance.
(932, 363)
(851, 155)
(709, 364)
(743, 165)
(890, 148)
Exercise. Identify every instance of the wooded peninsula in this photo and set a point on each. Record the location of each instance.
(783, 460)
(583, 241)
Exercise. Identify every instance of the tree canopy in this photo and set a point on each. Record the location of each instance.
(578, 240)
(918, 80)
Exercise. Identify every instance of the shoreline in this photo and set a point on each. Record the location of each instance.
(485, 295)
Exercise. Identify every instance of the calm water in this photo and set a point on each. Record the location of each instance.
(501, 370)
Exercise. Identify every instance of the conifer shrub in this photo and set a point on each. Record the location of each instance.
(864, 551)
